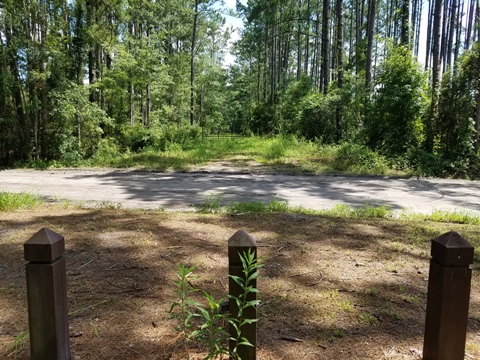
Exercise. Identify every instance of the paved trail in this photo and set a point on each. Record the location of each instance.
(174, 191)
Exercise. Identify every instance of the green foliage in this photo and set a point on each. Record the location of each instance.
(394, 120)
(211, 328)
(250, 266)
(263, 120)
(444, 216)
(316, 119)
(212, 331)
(15, 201)
(258, 207)
(77, 125)
(292, 102)
(367, 211)
(276, 150)
(211, 204)
(359, 159)
(456, 112)
(106, 153)
(182, 310)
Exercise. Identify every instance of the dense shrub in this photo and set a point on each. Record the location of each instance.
(356, 158)
(394, 121)
(316, 119)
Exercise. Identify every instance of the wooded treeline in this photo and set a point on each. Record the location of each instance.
(77, 76)
(83, 77)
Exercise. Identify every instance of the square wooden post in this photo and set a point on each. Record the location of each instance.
(448, 298)
(238, 244)
(47, 296)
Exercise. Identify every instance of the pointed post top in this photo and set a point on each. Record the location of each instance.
(451, 249)
(242, 238)
(44, 246)
(239, 243)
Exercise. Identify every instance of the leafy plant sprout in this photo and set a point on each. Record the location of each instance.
(211, 330)
(250, 265)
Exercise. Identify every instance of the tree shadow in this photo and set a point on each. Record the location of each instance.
(346, 288)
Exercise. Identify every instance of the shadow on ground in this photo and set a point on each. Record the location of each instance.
(346, 288)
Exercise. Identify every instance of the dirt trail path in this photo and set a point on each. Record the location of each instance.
(175, 191)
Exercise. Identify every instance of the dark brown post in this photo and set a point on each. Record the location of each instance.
(448, 298)
(47, 296)
(240, 243)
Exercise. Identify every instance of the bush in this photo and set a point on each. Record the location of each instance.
(317, 117)
(356, 158)
(107, 151)
(394, 122)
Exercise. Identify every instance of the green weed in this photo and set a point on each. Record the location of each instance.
(367, 211)
(212, 204)
(14, 201)
(258, 207)
(211, 330)
(14, 347)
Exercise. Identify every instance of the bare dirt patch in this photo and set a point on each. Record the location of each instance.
(349, 289)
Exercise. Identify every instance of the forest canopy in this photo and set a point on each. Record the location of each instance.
(85, 78)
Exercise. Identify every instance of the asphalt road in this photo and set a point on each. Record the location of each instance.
(181, 191)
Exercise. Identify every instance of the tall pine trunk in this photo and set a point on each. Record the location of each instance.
(339, 110)
(429, 126)
(192, 64)
(372, 9)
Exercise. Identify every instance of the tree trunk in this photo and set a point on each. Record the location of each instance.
(299, 42)
(339, 110)
(307, 39)
(451, 33)
(428, 48)
(468, 34)
(429, 130)
(405, 31)
(21, 133)
(370, 33)
(192, 64)
(324, 73)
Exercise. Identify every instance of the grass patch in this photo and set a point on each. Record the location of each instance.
(367, 212)
(258, 207)
(279, 153)
(443, 216)
(212, 204)
(14, 201)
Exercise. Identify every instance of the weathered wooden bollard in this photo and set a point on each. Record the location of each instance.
(241, 243)
(448, 298)
(47, 296)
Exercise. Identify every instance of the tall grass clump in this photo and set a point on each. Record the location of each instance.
(14, 201)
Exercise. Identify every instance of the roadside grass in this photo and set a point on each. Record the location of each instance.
(15, 201)
(279, 153)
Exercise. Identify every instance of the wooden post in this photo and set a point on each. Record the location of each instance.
(240, 243)
(47, 296)
(448, 298)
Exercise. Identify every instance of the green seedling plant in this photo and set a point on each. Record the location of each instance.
(250, 265)
(185, 304)
(211, 330)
